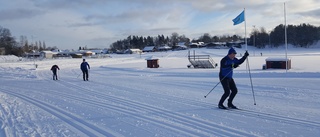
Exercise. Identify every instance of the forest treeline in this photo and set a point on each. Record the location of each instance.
(302, 35)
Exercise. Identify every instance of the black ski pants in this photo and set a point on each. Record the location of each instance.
(55, 76)
(228, 84)
(85, 75)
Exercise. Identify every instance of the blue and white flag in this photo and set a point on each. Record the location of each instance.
(239, 19)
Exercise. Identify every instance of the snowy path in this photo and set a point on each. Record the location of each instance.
(124, 98)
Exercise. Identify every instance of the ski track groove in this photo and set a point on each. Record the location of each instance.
(70, 119)
(5, 122)
(267, 116)
(263, 115)
(123, 110)
(191, 122)
(132, 112)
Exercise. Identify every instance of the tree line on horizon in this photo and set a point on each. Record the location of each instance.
(303, 35)
(21, 47)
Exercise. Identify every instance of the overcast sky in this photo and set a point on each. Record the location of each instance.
(69, 24)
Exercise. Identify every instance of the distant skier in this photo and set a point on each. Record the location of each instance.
(54, 69)
(84, 67)
(227, 64)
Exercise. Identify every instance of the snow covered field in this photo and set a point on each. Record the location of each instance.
(124, 98)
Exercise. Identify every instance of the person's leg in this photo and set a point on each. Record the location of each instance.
(226, 88)
(87, 75)
(234, 92)
(84, 75)
(54, 75)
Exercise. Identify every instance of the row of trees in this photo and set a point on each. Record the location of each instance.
(140, 42)
(19, 48)
(302, 35)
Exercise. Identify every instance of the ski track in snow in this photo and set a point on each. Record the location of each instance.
(185, 125)
(206, 105)
(181, 123)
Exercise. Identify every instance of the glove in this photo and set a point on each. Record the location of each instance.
(246, 54)
(235, 65)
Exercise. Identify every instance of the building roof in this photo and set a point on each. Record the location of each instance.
(47, 51)
(152, 58)
(164, 47)
(277, 59)
(148, 48)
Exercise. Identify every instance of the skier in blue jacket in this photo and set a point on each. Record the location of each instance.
(84, 67)
(227, 64)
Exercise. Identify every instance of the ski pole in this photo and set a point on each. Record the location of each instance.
(58, 74)
(254, 99)
(79, 75)
(212, 89)
(217, 84)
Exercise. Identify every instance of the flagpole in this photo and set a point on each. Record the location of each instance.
(285, 35)
(248, 66)
(245, 28)
(245, 33)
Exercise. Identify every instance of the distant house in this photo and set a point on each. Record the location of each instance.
(132, 51)
(197, 45)
(88, 53)
(236, 44)
(33, 55)
(149, 49)
(119, 52)
(164, 48)
(76, 55)
(181, 46)
(98, 51)
(46, 54)
(193, 45)
(105, 51)
(216, 45)
(85, 52)
(56, 50)
(65, 53)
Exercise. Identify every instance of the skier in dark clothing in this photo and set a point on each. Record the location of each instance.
(54, 69)
(84, 67)
(227, 64)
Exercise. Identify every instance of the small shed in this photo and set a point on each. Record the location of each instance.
(278, 63)
(46, 54)
(152, 62)
(88, 53)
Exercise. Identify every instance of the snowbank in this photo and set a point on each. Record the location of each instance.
(9, 58)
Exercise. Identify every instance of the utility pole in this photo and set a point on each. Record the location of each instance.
(254, 39)
(269, 39)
